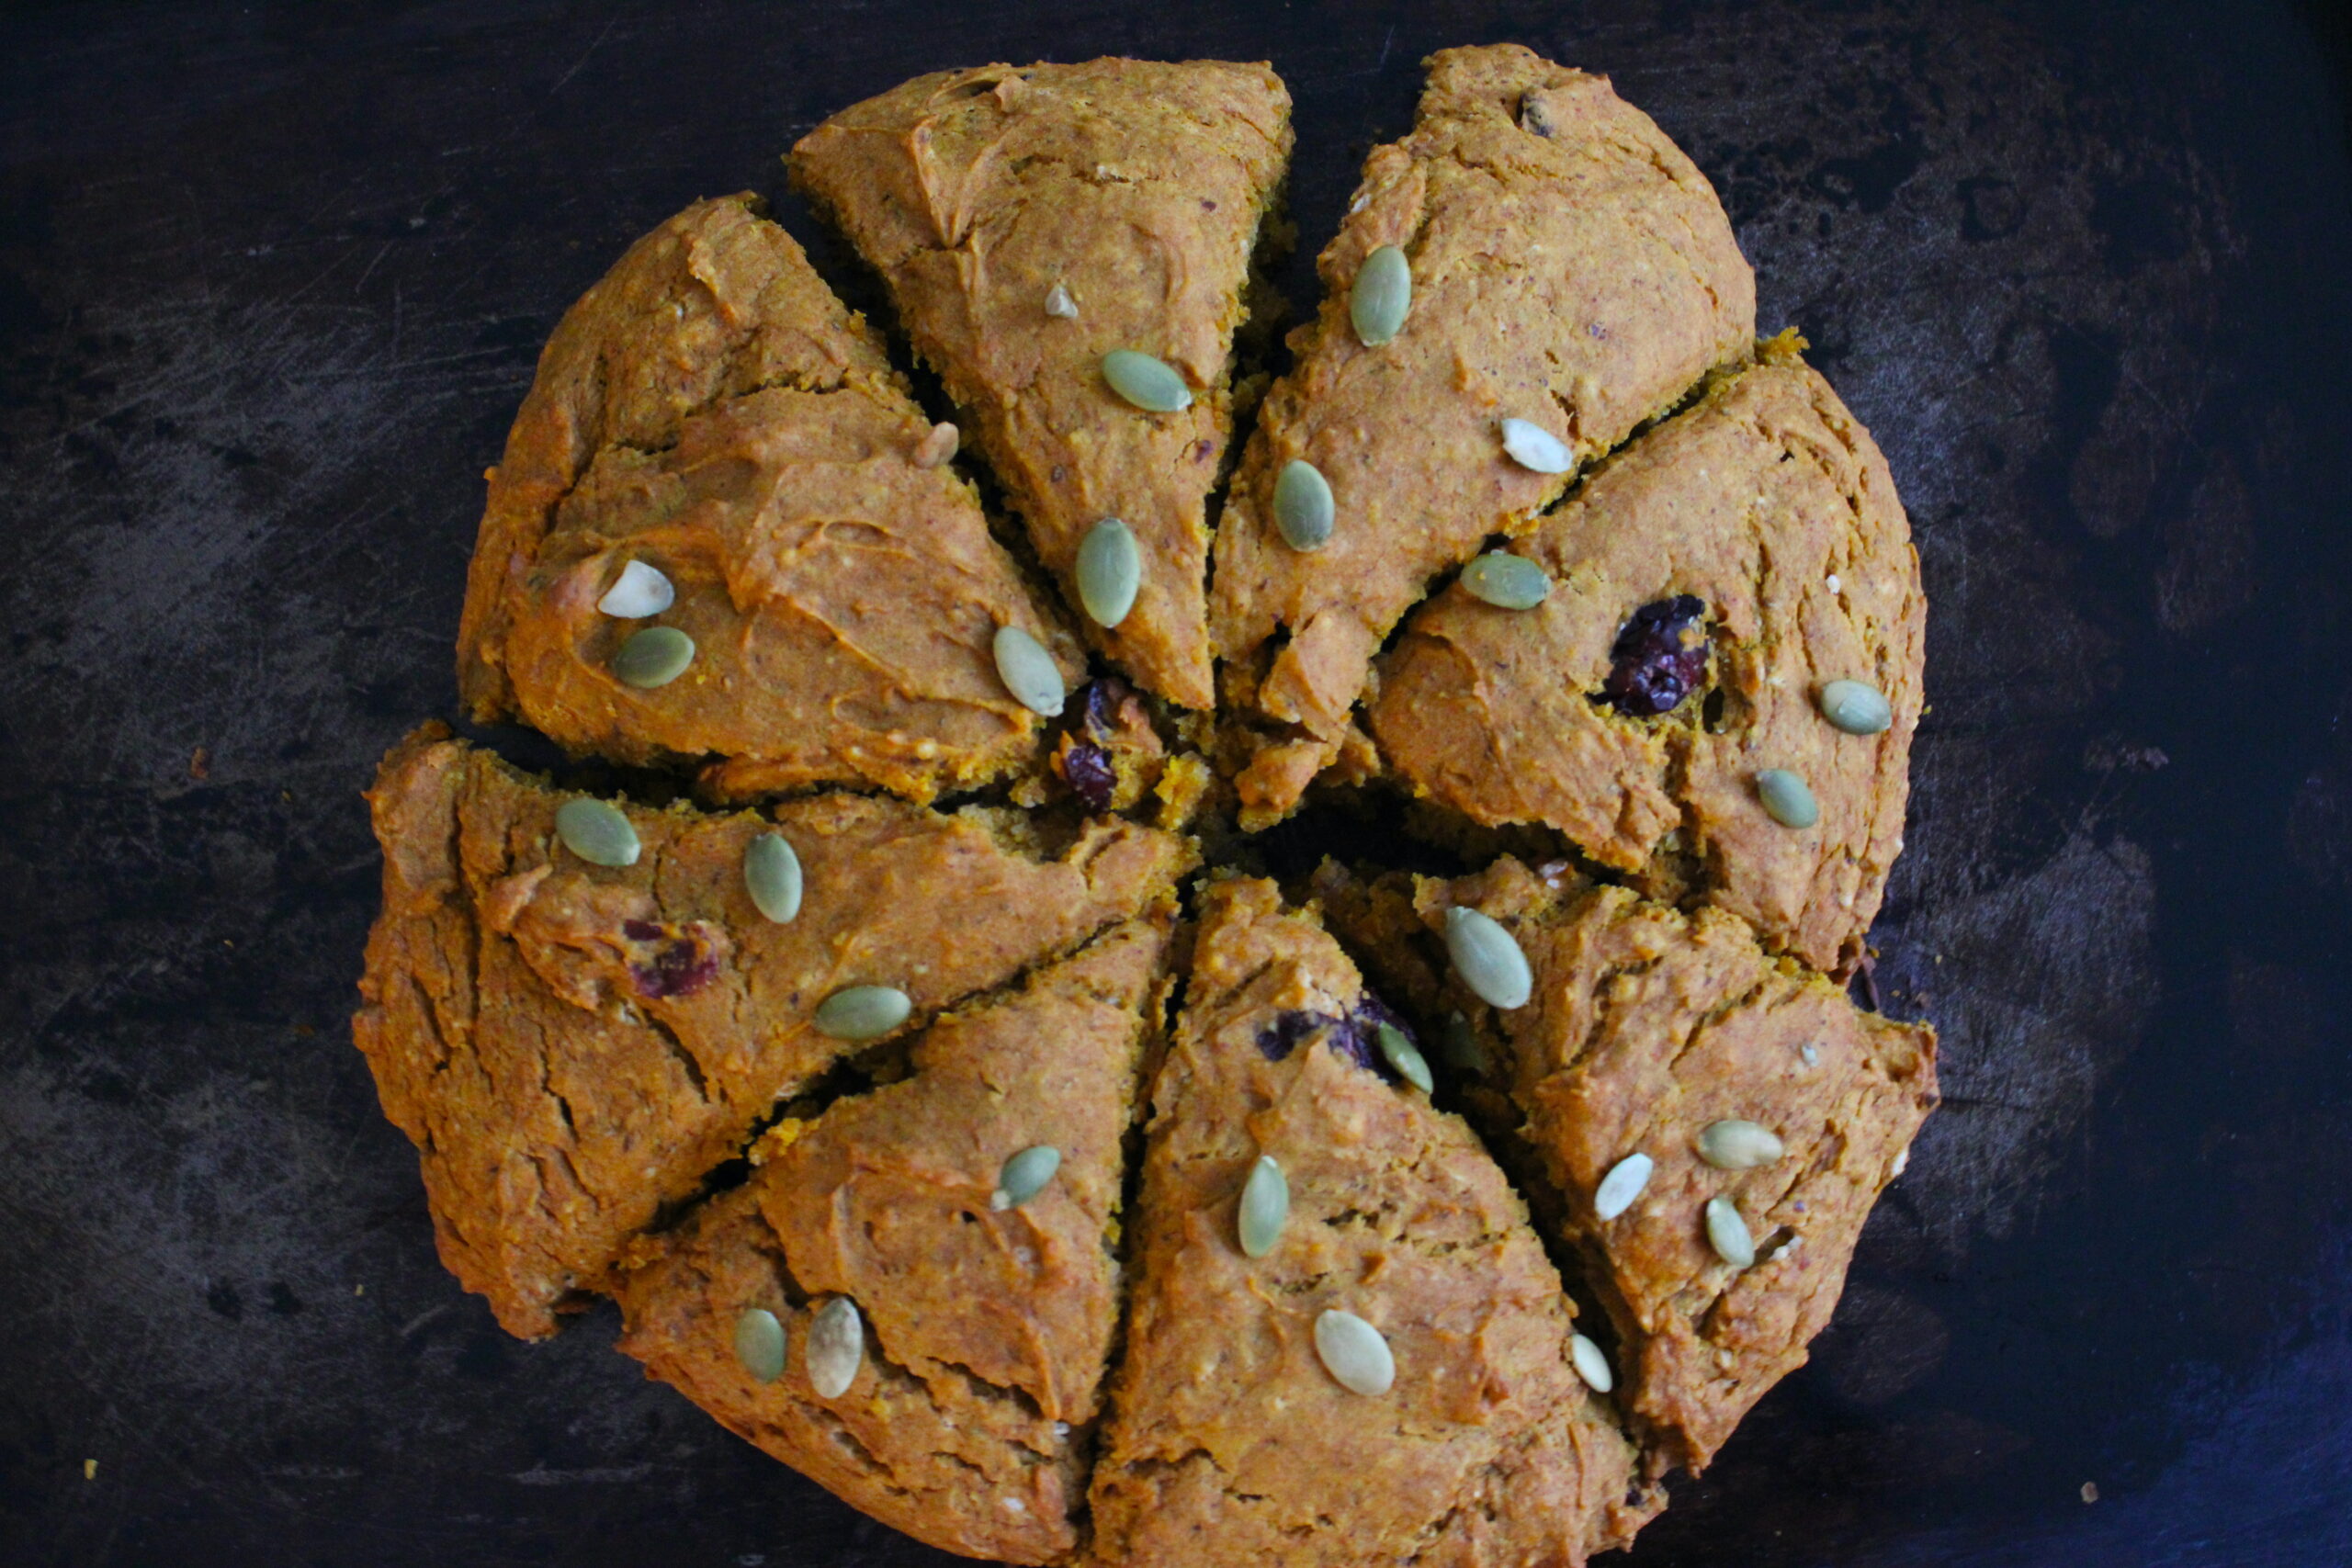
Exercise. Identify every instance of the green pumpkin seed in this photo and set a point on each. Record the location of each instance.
(1024, 1176)
(1265, 1206)
(1408, 1061)
(772, 876)
(1381, 295)
(1786, 800)
(654, 655)
(862, 1012)
(1354, 1352)
(640, 591)
(1735, 1145)
(1855, 708)
(836, 1347)
(759, 1344)
(1488, 959)
(1536, 449)
(1728, 1233)
(1622, 1186)
(1059, 303)
(596, 831)
(1591, 1364)
(1029, 673)
(1507, 582)
(1461, 1045)
(1150, 384)
(1303, 508)
(1110, 569)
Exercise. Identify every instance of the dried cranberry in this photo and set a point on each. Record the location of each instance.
(680, 964)
(1658, 659)
(1355, 1036)
(1101, 709)
(1086, 767)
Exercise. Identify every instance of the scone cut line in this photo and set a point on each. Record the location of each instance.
(922, 1138)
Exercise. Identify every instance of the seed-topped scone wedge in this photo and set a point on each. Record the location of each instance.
(1717, 690)
(1069, 247)
(1714, 1123)
(723, 535)
(912, 1298)
(1346, 1344)
(577, 1010)
(1522, 281)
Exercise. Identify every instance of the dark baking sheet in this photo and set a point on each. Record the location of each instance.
(272, 279)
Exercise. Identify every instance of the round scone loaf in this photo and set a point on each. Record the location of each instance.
(919, 1067)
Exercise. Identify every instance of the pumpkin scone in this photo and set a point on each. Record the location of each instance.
(1717, 691)
(1530, 274)
(722, 534)
(912, 1298)
(1069, 247)
(1346, 1345)
(576, 1011)
(1714, 1124)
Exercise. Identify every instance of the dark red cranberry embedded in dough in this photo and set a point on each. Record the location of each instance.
(1659, 659)
(1086, 768)
(678, 960)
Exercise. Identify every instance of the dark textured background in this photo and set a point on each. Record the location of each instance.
(272, 279)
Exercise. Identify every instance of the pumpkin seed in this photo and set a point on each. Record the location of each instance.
(1535, 449)
(1024, 1176)
(1856, 707)
(1150, 384)
(1353, 1352)
(1029, 673)
(1110, 569)
(1381, 295)
(596, 831)
(1786, 800)
(1488, 958)
(1410, 1064)
(1303, 508)
(1591, 1364)
(1460, 1044)
(772, 875)
(938, 447)
(654, 655)
(640, 591)
(862, 1012)
(1622, 1186)
(1059, 304)
(759, 1344)
(1901, 1163)
(836, 1347)
(1735, 1145)
(1507, 582)
(1728, 1233)
(1265, 1205)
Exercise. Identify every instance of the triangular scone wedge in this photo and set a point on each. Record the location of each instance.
(574, 1047)
(1765, 517)
(1030, 220)
(1230, 1440)
(984, 1327)
(1570, 267)
(709, 409)
(1645, 1028)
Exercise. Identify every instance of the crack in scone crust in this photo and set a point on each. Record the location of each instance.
(614, 1075)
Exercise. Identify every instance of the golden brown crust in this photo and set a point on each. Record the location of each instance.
(986, 1329)
(1769, 502)
(1645, 1026)
(1570, 267)
(1138, 186)
(710, 409)
(560, 1090)
(1228, 1442)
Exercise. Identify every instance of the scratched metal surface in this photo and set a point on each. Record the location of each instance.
(272, 279)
